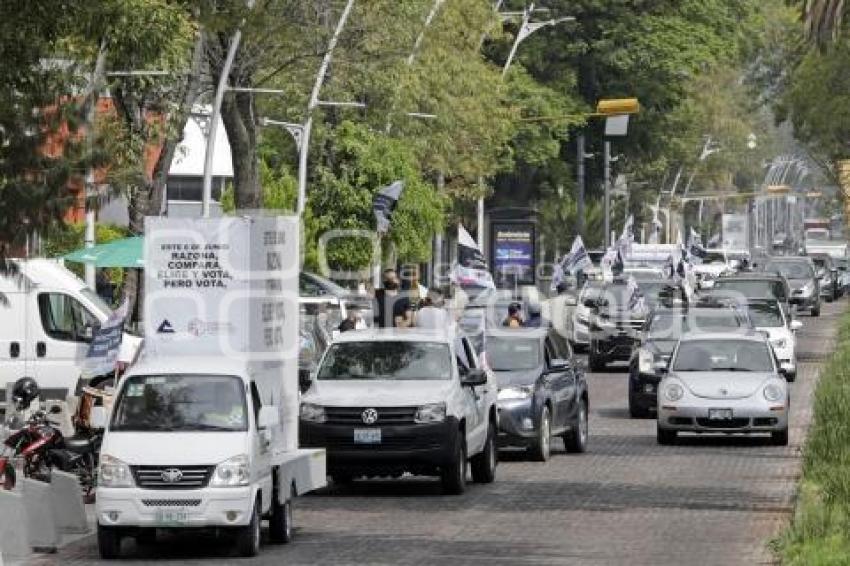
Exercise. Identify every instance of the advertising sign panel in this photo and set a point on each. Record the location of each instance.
(513, 253)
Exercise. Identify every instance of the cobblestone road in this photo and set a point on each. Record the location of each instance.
(627, 501)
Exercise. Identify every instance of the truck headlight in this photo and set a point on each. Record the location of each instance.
(673, 391)
(515, 393)
(232, 473)
(645, 361)
(431, 413)
(773, 392)
(313, 413)
(113, 472)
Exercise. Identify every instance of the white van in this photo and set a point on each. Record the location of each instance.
(196, 442)
(47, 319)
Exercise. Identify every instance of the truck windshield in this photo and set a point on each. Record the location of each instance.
(181, 403)
(387, 360)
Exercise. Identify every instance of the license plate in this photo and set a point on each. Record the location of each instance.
(367, 436)
(720, 414)
(175, 516)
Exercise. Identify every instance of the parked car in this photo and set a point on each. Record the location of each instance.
(843, 265)
(615, 325)
(659, 338)
(827, 274)
(723, 382)
(767, 316)
(386, 402)
(542, 391)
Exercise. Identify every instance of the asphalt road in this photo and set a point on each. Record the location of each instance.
(708, 500)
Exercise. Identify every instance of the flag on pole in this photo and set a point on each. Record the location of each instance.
(635, 296)
(695, 247)
(577, 259)
(384, 203)
(471, 267)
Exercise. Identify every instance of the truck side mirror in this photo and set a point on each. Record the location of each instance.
(268, 417)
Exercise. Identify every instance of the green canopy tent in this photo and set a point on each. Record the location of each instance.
(126, 252)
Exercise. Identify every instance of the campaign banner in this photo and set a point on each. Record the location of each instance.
(105, 344)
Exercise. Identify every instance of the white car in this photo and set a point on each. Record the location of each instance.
(723, 382)
(387, 402)
(769, 317)
(580, 335)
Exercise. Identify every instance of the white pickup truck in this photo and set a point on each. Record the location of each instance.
(386, 402)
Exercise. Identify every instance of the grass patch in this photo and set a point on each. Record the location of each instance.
(819, 533)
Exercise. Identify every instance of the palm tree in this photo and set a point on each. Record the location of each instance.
(822, 20)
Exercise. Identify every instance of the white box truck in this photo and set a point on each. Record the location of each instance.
(203, 429)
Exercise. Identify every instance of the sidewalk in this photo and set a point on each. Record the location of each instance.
(66, 540)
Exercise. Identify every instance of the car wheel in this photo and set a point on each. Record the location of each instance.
(665, 436)
(108, 542)
(453, 475)
(280, 523)
(542, 447)
(576, 439)
(248, 537)
(594, 360)
(779, 438)
(816, 311)
(635, 410)
(484, 464)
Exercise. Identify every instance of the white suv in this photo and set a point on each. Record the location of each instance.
(386, 402)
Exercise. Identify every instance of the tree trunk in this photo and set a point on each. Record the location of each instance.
(237, 114)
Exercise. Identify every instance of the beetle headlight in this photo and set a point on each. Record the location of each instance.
(313, 413)
(113, 472)
(231, 473)
(674, 391)
(431, 413)
(773, 392)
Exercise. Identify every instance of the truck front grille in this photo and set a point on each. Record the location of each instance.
(172, 477)
(354, 415)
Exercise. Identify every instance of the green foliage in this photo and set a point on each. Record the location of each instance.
(820, 531)
(65, 238)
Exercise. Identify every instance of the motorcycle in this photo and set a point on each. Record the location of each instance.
(42, 447)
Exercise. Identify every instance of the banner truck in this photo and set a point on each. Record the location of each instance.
(203, 431)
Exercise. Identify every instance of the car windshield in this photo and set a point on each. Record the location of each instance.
(661, 291)
(723, 355)
(387, 360)
(766, 315)
(672, 326)
(791, 269)
(181, 402)
(616, 297)
(510, 354)
(752, 288)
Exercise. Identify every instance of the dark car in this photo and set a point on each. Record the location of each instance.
(827, 273)
(659, 337)
(542, 390)
(615, 324)
(663, 293)
(755, 285)
(800, 275)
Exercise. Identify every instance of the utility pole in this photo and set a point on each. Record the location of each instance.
(607, 181)
(580, 182)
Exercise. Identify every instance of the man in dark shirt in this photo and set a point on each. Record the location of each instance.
(392, 308)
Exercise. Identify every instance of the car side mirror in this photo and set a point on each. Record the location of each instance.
(474, 377)
(786, 368)
(268, 417)
(558, 364)
(97, 417)
(796, 325)
(87, 334)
